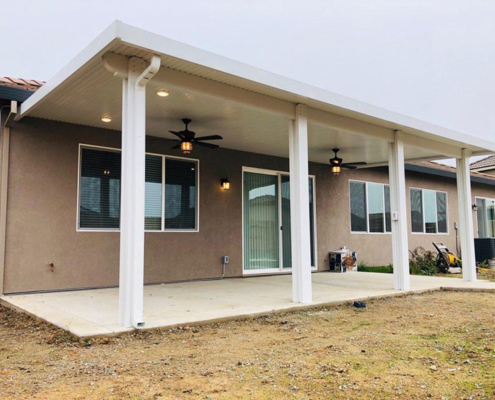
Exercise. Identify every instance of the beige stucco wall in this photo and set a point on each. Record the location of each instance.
(42, 202)
(41, 221)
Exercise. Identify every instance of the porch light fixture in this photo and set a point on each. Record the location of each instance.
(474, 207)
(225, 184)
(106, 119)
(162, 93)
(186, 147)
(336, 169)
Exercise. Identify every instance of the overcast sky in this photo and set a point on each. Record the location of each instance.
(433, 60)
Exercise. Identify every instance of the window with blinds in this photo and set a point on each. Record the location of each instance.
(170, 197)
(180, 194)
(99, 189)
(370, 207)
(153, 193)
(428, 211)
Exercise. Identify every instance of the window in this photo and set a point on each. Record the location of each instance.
(485, 217)
(428, 211)
(180, 194)
(171, 194)
(370, 207)
(99, 189)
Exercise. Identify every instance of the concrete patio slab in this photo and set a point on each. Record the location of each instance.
(90, 313)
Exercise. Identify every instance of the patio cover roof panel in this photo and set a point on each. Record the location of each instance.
(85, 74)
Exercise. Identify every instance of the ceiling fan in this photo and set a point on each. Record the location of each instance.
(336, 163)
(188, 139)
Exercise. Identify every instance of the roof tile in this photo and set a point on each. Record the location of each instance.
(27, 84)
(484, 163)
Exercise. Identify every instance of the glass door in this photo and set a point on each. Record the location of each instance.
(481, 217)
(261, 222)
(267, 225)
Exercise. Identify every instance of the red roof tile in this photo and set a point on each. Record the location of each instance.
(484, 163)
(27, 84)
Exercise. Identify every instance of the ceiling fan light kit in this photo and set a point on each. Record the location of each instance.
(337, 164)
(188, 139)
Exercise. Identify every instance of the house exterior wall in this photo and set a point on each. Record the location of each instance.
(42, 209)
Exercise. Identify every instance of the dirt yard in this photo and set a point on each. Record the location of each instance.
(439, 345)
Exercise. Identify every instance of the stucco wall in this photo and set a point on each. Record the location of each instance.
(42, 202)
(41, 221)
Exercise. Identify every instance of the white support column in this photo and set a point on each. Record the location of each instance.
(299, 210)
(133, 189)
(466, 229)
(397, 180)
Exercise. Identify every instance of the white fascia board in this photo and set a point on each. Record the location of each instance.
(96, 48)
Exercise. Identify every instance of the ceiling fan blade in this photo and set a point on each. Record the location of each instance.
(179, 135)
(177, 146)
(209, 145)
(355, 163)
(212, 137)
(348, 166)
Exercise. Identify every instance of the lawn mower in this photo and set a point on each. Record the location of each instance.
(447, 262)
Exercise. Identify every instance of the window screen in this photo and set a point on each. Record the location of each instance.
(376, 207)
(430, 211)
(416, 210)
(358, 207)
(442, 212)
(180, 194)
(388, 216)
(99, 190)
(153, 193)
(481, 218)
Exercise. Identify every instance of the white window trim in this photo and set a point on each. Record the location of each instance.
(486, 214)
(436, 212)
(164, 157)
(280, 270)
(367, 232)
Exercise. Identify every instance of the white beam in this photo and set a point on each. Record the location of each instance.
(398, 208)
(133, 188)
(466, 229)
(299, 208)
(432, 145)
(349, 125)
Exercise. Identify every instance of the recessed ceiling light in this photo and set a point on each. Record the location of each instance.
(106, 119)
(162, 93)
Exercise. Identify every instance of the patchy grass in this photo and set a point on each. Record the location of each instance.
(438, 345)
(385, 269)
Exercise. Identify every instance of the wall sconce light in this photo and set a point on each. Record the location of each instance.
(225, 184)
(474, 207)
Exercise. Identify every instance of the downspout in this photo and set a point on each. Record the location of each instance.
(4, 183)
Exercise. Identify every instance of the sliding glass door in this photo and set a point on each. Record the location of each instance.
(485, 217)
(267, 225)
(261, 225)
